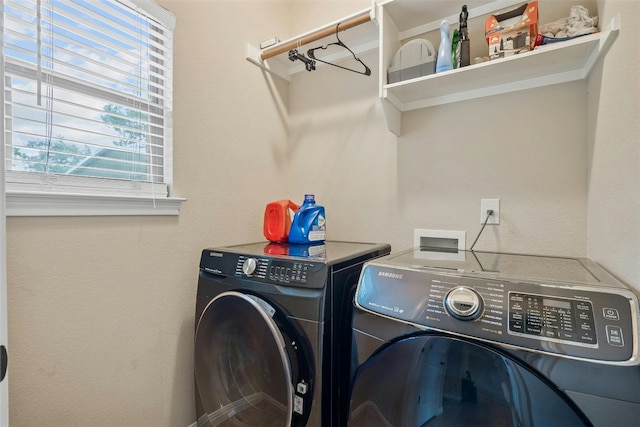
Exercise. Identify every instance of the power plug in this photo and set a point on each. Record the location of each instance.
(490, 208)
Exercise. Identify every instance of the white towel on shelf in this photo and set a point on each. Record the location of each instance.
(578, 23)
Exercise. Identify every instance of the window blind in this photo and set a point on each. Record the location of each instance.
(88, 96)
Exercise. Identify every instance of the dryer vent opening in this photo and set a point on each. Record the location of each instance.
(439, 240)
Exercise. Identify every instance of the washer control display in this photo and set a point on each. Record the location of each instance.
(552, 318)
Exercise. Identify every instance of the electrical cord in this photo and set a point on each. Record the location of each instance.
(489, 214)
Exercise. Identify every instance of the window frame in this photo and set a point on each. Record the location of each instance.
(38, 194)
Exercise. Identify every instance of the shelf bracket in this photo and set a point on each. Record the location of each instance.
(393, 117)
(607, 37)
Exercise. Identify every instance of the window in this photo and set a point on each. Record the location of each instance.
(88, 101)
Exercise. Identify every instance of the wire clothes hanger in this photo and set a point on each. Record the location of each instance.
(311, 54)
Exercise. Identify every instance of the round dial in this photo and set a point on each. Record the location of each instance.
(463, 303)
(249, 266)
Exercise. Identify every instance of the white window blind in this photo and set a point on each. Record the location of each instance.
(88, 97)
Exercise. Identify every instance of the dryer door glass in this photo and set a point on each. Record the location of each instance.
(242, 371)
(433, 381)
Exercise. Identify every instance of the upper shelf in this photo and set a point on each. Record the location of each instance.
(550, 64)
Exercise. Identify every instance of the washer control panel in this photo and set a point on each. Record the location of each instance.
(582, 322)
(551, 318)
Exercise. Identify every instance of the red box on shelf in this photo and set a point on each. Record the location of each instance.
(513, 31)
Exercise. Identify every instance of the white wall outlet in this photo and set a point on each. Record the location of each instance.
(490, 204)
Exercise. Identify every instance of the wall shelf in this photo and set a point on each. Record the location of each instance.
(551, 64)
(392, 21)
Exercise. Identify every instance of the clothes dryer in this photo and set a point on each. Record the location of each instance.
(491, 339)
(270, 319)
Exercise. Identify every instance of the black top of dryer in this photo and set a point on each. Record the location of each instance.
(328, 252)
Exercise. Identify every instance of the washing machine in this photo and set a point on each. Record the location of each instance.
(493, 339)
(270, 321)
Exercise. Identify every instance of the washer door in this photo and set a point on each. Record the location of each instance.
(247, 359)
(437, 380)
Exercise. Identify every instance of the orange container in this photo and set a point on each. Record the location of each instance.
(277, 220)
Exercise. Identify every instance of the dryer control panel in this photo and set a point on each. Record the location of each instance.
(583, 322)
(275, 270)
(290, 272)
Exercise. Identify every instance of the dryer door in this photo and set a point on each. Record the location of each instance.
(437, 380)
(247, 363)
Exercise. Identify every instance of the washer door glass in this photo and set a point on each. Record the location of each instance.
(242, 371)
(433, 381)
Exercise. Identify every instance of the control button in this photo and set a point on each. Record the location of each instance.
(533, 330)
(584, 315)
(516, 326)
(516, 298)
(614, 336)
(586, 337)
(463, 303)
(610, 313)
(302, 388)
(569, 336)
(516, 302)
(586, 327)
(583, 306)
(249, 266)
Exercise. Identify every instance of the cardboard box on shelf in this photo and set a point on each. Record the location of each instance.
(513, 31)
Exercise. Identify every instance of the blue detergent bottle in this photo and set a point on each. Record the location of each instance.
(309, 223)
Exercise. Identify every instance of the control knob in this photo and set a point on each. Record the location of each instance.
(249, 266)
(463, 303)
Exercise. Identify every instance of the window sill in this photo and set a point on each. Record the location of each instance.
(49, 204)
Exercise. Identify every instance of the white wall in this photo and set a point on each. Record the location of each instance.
(101, 309)
(527, 148)
(614, 149)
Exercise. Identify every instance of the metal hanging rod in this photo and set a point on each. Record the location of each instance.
(350, 23)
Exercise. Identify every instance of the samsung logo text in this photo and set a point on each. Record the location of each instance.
(390, 275)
